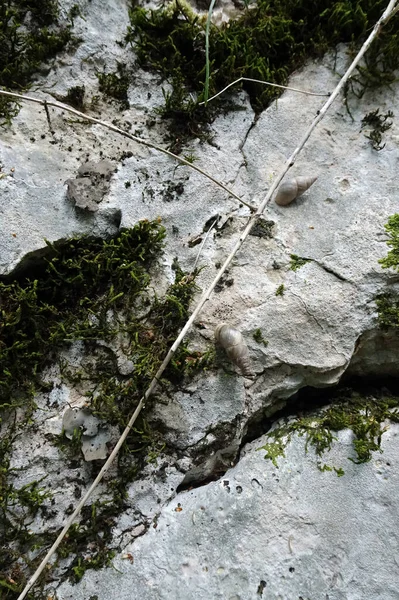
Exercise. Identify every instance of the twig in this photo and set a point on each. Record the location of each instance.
(182, 160)
(207, 66)
(206, 295)
(204, 240)
(48, 116)
(283, 87)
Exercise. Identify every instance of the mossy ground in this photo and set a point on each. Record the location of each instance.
(388, 304)
(365, 415)
(268, 41)
(91, 290)
(30, 34)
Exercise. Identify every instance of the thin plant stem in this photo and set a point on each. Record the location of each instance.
(203, 242)
(206, 295)
(283, 87)
(207, 65)
(60, 106)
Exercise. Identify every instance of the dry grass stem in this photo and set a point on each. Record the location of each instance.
(204, 240)
(283, 87)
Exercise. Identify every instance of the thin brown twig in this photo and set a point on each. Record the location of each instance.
(206, 295)
(203, 242)
(283, 87)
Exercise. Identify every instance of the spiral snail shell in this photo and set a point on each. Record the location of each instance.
(292, 188)
(236, 349)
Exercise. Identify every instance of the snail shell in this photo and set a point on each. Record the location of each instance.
(292, 188)
(236, 349)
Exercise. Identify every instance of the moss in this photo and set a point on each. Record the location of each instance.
(365, 416)
(17, 508)
(92, 290)
(258, 337)
(297, 262)
(388, 311)
(30, 33)
(378, 124)
(280, 290)
(268, 41)
(79, 277)
(388, 304)
(116, 84)
(96, 525)
(392, 259)
(75, 12)
(75, 97)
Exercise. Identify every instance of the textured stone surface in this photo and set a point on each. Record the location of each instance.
(91, 184)
(235, 540)
(276, 534)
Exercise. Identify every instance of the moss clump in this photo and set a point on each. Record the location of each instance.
(116, 84)
(387, 305)
(391, 261)
(280, 290)
(96, 524)
(365, 416)
(297, 262)
(95, 291)
(378, 124)
(75, 97)
(388, 311)
(30, 33)
(268, 41)
(258, 337)
(80, 277)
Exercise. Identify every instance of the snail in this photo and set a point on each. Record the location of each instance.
(236, 349)
(292, 188)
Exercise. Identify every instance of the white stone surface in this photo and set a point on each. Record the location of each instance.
(274, 533)
(337, 533)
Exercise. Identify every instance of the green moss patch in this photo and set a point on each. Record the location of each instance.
(30, 33)
(116, 84)
(297, 262)
(81, 277)
(97, 292)
(378, 125)
(268, 41)
(387, 304)
(366, 416)
(258, 337)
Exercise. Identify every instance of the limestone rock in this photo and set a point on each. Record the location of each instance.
(267, 532)
(257, 532)
(95, 447)
(95, 434)
(78, 418)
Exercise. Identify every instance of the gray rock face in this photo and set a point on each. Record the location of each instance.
(262, 532)
(258, 532)
(94, 433)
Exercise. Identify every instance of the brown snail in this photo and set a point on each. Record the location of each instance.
(236, 349)
(292, 188)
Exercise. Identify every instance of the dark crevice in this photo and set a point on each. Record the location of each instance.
(304, 402)
(331, 271)
(308, 399)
